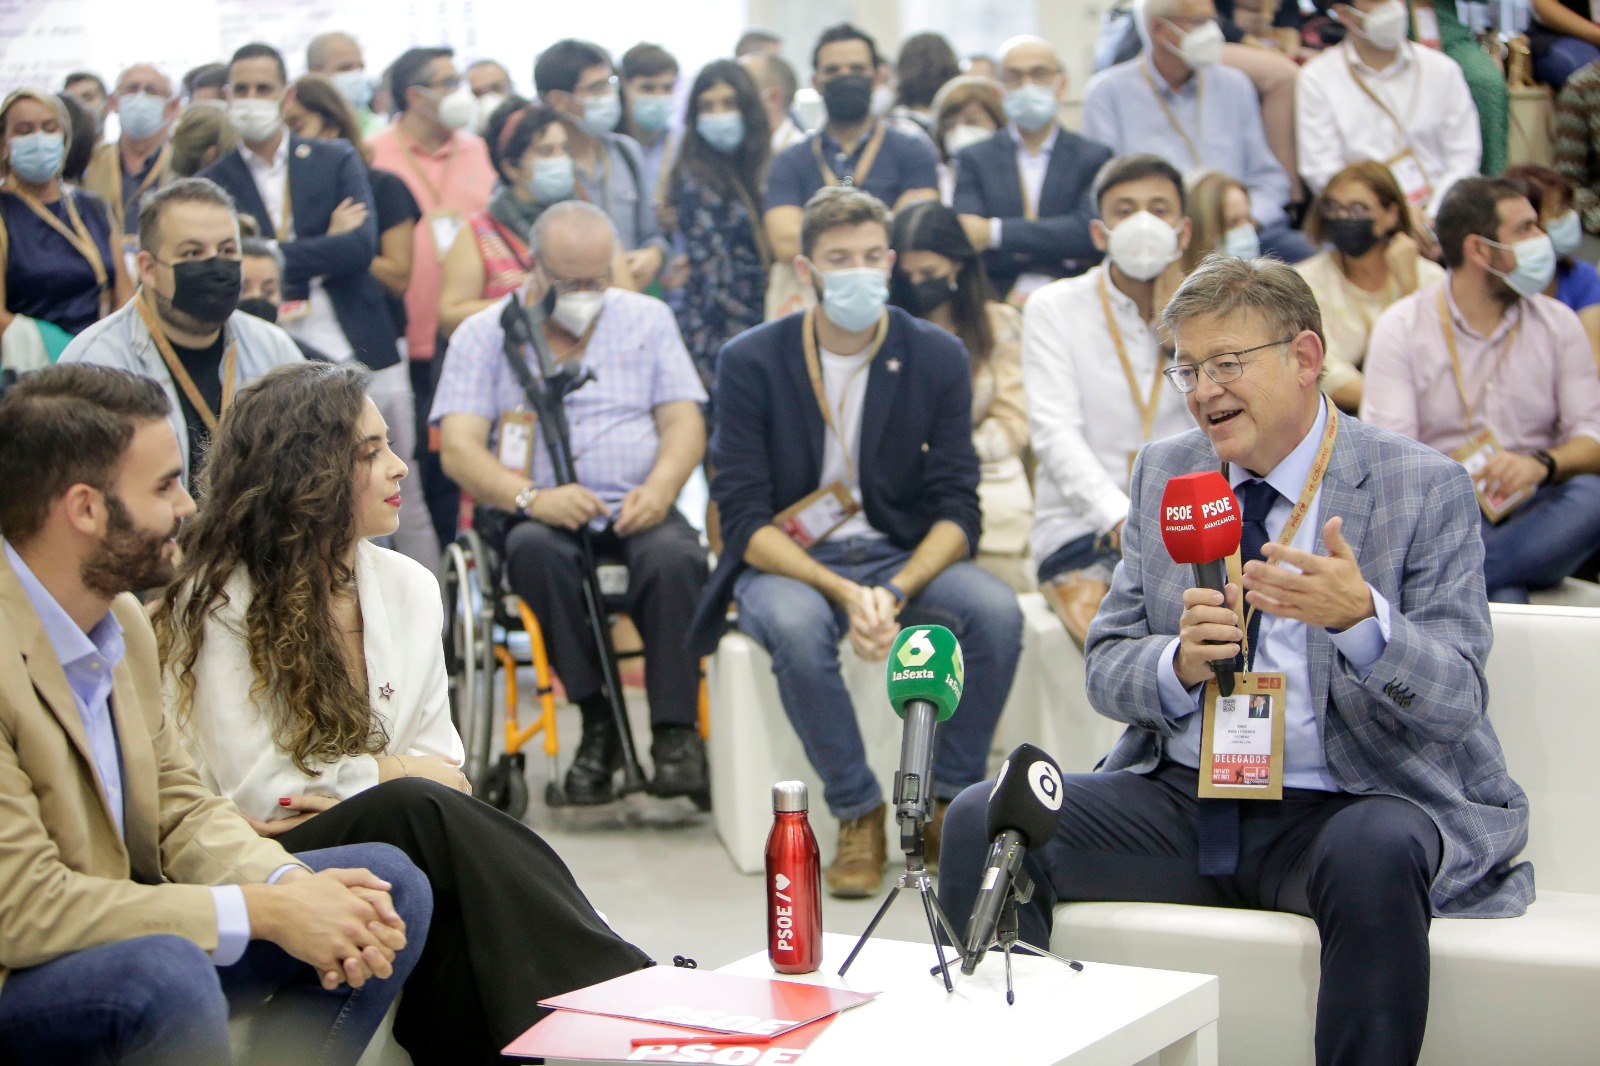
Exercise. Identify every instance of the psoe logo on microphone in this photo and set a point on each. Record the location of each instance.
(1045, 780)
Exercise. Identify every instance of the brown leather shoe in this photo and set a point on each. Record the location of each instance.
(932, 833)
(860, 858)
(1075, 598)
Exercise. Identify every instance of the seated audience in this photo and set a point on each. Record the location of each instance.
(1023, 194)
(120, 173)
(1379, 97)
(337, 57)
(1176, 101)
(304, 665)
(1576, 142)
(966, 110)
(575, 77)
(926, 62)
(60, 263)
(714, 193)
(938, 276)
(139, 908)
(1487, 369)
(776, 82)
(1219, 216)
(184, 329)
(636, 435)
(886, 425)
(1092, 360)
(1564, 37)
(1378, 629)
(1576, 282)
(1374, 260)
(200, 137)
(649, 94)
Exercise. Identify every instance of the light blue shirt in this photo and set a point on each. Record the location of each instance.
(1282, 641)
(88, 660)
(1219, 111)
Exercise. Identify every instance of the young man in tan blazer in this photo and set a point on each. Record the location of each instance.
(136, 907)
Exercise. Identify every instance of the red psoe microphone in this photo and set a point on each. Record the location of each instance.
(1200, 525)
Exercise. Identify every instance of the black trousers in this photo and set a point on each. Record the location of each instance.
(442, 494)
(510, 924)
(1359, 866)
(666, 571)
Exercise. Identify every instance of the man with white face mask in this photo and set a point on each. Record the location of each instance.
(1378, 96)
(847, 484)
(337, 57)
(123, 172)
(1487, 369)
(1023, 194)
(1179, 102)
(1092, 364)
(636, 435)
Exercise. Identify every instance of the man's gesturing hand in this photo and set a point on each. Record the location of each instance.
(1329, 591)
(341, 922)
(1205, 618)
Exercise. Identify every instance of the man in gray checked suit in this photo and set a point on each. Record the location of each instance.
(1396, 803)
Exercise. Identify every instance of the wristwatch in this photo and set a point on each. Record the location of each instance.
(1549, 462)
(895, 591)
(525, 499)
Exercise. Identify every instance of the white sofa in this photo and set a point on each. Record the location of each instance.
(1523, 990)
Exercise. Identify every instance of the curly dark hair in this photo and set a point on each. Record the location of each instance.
(277, 500)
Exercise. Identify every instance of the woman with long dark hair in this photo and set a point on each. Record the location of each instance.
(308, 676)
(939, 276)
(714, 195)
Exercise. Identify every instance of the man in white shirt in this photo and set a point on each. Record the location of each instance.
(1092, 364)
(1378, 96)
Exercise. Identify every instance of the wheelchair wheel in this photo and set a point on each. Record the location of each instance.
(505, 788)
(460, 636)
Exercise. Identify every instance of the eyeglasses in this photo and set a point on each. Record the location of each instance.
(599, 88)
(1333, 209)
(449, 85)
(1014, 79)
(1221, 368)
(568, 286)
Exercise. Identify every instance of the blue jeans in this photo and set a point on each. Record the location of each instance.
(801, 629)
(159, 1000)
(1564, 57)
(1544, 541)
(1079, 554)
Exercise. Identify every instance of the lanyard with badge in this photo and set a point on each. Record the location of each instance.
(813, 518)
(79, 237)
(1404, 165)
(1148, 407)
(1199, 111)
(180, 373)
(1241, 738)
(856, 176)
(443, 223)
(1481, 444)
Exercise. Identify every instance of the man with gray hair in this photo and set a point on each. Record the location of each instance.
(136, 163)
(636, 436)
(1363, 614)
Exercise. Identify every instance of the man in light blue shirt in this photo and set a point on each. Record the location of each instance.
(137, 905)
(1175, 100)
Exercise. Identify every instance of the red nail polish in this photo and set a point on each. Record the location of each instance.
(283, 801)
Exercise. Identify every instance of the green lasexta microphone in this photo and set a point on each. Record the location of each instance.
(925, 676)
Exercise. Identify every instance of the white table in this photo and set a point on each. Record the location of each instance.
(1104, 1015)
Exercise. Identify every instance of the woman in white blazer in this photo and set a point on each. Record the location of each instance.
(307, 670)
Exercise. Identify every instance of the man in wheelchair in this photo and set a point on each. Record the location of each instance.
(635, 434)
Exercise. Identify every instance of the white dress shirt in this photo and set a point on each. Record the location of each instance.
(319, 326)
(231, 733)
(1031, 166)
(844, 381)
(1081, 414)
(1337, 123)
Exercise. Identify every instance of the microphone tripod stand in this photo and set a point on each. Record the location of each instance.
(915, 876)
(1018, 892)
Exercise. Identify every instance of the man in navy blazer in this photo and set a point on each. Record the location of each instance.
(1024, 195)
(1370, 603)
(896, 439)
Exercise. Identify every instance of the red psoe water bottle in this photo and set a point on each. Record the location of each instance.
(794, 883)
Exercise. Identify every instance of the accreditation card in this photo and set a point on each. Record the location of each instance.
(516, 441)
(1241, 738)
(1474, 455)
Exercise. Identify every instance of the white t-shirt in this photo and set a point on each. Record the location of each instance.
(844, 381)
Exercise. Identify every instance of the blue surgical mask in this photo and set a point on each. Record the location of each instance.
(600, 113)
(854, 299)
(723, 132)
(552, 179)
(1566, 233)
(354, 87)
(1536, 265)
(142, 114)
(651, 113)
(1242, 241)
(36, 157)
(1031, 107)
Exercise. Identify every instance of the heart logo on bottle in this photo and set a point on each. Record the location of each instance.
(781, 882)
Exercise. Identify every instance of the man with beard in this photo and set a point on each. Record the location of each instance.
(129, 894)
(1487, 369)
(852, 149)
(183, 327)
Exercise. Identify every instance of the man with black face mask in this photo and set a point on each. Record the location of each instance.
(183, 327)
(852, 149)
